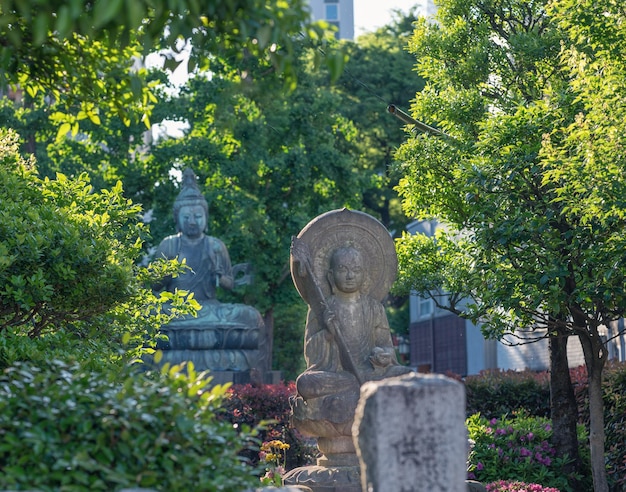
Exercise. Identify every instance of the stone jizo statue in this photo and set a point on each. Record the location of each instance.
(349, 345)
(222, 337)
(343, 264)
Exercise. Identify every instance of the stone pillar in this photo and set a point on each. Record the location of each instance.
(410, 435)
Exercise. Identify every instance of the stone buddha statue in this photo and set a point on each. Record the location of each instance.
(223, 336)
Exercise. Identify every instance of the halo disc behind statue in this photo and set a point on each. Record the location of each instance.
(342, 228)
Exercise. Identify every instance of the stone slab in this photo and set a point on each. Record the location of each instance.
(410, 435)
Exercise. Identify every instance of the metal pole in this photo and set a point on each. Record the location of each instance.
(419, 126)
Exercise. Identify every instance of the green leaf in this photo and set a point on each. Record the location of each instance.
(107, 10)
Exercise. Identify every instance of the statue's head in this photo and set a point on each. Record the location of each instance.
(191, 210)
(346, 272)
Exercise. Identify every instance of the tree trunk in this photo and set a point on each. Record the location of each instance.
(564, 410)
(595, 357)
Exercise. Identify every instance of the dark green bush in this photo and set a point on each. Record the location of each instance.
(615, 425)
(64, 428)
(93, 353)
(494, 393)
(614, 397)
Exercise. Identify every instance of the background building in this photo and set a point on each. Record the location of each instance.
(440, 341)
(339, 13)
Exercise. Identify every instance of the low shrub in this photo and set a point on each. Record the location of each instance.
(268, 405)
(66, 428)
(494, 393)
(517, 448)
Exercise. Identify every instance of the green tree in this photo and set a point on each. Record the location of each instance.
(68, 260)
(531, 235)
(45, 47)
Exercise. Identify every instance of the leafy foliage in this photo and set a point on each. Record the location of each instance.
(496, 393)
(64, 428)
(47, 46)
(66, 253)
(379, 72)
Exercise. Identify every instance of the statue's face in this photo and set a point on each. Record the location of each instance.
(192, 220)
(347, 270)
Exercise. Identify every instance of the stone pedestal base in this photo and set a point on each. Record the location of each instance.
(326, 478)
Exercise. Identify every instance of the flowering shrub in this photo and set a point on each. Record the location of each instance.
(503, 486)
(516, 448)
(268, 404)
(497, 393)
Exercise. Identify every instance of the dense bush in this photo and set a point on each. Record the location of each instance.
(518, 448)
(268, 404)
(66, 251)
(69, 262)
(497, 393)
(494, 393)
(63, 428)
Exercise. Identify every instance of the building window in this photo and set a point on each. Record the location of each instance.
(425, 307)
(332, 12)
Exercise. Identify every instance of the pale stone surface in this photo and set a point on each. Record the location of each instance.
(410, 435)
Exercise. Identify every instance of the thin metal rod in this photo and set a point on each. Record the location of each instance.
(419, 126)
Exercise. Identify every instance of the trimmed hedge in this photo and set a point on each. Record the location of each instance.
(494, 393)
